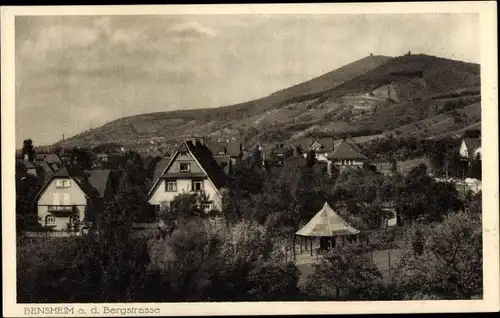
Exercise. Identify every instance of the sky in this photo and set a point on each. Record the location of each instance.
(74, 73)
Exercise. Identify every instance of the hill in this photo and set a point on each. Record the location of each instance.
(377, 95)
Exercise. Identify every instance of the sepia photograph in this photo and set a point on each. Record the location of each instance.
(206, 154)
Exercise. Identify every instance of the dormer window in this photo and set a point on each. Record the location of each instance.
(62, 184)
(184, 167)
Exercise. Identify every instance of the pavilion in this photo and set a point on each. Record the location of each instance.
(327, 225)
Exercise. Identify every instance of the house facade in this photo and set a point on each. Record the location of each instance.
(192, 169)
(347, 155)
(63, 198)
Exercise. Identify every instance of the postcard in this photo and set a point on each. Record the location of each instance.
(250, 159)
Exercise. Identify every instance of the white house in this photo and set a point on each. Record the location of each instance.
(191, 169)
(66, 193)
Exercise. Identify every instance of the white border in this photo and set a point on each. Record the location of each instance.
(489, 67)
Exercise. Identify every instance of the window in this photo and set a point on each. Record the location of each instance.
(66, 199)
(63, 184)
(184, 167)
(50, 220)
(197, 186)
(206, 207)
(56, 199)
(171, 186)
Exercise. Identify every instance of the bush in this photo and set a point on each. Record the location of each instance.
(450, 263)
(346, 270)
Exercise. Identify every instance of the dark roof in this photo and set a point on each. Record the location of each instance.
(217, 148)
(347, 150)
(160, 166)
(306, 143)
(75, 174)
(231, 148)
(206, 159)
(234, 148)
(472, 143)
(98, 179)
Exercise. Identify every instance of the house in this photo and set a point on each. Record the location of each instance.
(233, 148)
(30, 167)
(65, 194)
(321, 147)
(191, 169)
(470, 149)
(277, 155)
(347, 154)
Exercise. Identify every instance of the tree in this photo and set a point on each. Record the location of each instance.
(421, 196)
(27, 186)
(28, 149)
(450, 265)
(345, 270)
(132, 192)
(80, 157)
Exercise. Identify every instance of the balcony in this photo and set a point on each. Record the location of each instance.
(61, 208)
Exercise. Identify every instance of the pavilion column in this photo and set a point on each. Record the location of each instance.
(301, 243)
(311, 241)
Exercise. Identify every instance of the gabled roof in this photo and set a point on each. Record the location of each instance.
(206, 159)
(203, 155)
(327, 223)
(160, 167)
(231, 148)
(98, 179)
(347, 151)
(70, 173)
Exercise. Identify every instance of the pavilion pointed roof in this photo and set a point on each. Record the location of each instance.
(327, 223)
